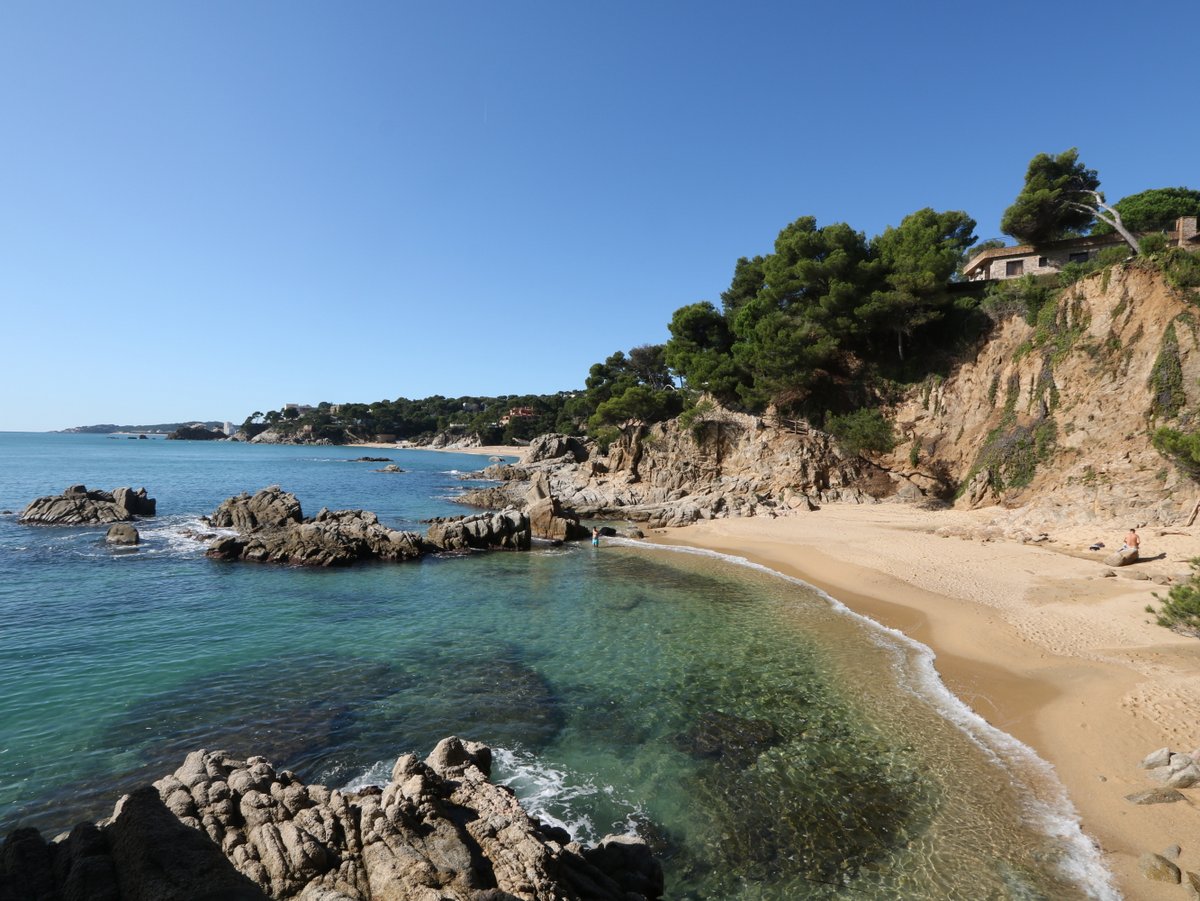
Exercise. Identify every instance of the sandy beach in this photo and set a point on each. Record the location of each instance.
(1034, 637)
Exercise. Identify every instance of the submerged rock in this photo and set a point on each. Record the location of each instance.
(220, 827)
(77, 506)
(731, 739)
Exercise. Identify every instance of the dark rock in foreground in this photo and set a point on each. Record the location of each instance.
(79, 507)
(272, 529)
(226, 828)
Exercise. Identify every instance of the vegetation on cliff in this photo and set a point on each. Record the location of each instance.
(838, 329)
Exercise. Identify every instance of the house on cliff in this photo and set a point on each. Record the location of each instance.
(1001, 263)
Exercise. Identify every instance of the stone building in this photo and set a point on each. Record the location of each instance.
(1000, 263)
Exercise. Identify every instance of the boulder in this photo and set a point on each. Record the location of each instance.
(270, 508)
(508, 529)
(1123, 557)
(122, 533)
(134, 502)
(1185, 777)
(1155, 759)
(1155, 796)
(77, 506)
(547, 518)
(1157, 868)
(555, 447)
(221, 827)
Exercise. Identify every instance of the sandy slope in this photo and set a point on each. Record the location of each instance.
(1033, 636)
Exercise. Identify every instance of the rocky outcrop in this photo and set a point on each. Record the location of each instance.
(547, 518)
(507, 529)
(1056, 418)
(453, 438)
(668, 474)
(556, 447)
(196, 433)
(270, 508)
(272, 528)
(77, 506)
(221, 827)
(302, 435)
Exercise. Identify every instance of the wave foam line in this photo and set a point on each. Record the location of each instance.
(1056, 815)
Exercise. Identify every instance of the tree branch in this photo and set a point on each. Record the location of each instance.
(1113, 219)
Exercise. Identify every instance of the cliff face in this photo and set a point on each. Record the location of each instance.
(1056, 418)
(673, 473)
(1053, 420)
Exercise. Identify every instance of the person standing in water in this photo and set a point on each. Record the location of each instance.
(595, 536)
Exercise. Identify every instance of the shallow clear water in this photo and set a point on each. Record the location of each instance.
(769, 744)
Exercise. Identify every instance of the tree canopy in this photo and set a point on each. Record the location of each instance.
(1153, 210)
(1056, 202)
(918, 257)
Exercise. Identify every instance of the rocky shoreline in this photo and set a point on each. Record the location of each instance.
(667, 475)
(219, 827)
(77, 506)
(271, 528)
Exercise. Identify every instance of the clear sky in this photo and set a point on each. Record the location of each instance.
(212, 208)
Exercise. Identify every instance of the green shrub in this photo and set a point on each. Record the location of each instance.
(1166, 378)
(694, 418)
(1181, 270)
(866, 429)
(1153, 243)
(1180, 611)
(1011, 453)
(1025, 296)
(1181, 447)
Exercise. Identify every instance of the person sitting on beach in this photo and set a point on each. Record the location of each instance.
(1132, 541)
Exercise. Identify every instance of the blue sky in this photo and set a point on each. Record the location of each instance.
(213, 208)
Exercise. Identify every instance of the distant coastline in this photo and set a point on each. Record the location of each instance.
(162, 428)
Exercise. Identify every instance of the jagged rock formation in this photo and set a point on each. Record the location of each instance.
(1056, 418)
(79, 507)
(232, 829)
(507, 529)
(723, 464)
(302, 435)
(272, 529)
(556, 447)
(547, 518)
(453, 438)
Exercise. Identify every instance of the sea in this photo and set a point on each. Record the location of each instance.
(766, 741)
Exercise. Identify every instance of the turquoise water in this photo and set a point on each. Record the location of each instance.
(769, 744)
